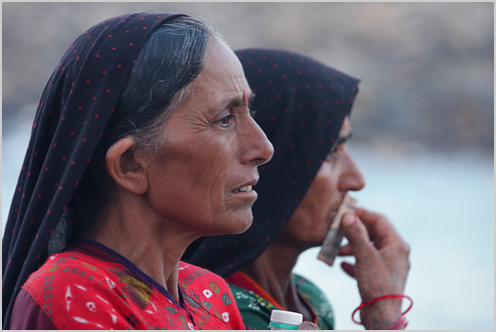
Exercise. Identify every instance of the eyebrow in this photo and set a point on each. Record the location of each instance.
(245, 100)
(248, 97)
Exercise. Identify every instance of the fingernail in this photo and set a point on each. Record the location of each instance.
(348, 219)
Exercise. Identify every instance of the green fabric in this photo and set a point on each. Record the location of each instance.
(256, 310)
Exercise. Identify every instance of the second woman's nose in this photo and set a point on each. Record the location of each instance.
(352, 178)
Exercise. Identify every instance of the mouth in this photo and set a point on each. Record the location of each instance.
(244, 189)
(247, 187)
(332, 214)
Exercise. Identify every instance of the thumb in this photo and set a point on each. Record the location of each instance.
(354, 230)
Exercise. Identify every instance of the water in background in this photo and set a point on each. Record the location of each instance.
(441, 204)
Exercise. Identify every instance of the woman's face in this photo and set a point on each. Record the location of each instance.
(200, 180)
(309, 223)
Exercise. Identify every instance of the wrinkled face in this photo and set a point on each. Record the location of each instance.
(309, 223)
(201, 179)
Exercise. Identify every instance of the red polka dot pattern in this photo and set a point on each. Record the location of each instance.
(301, 111)
(74, 110)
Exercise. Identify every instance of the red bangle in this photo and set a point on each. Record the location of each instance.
(379, 299)
(400, 324)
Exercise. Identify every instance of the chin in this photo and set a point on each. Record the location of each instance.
(242, 224)
(234, 224)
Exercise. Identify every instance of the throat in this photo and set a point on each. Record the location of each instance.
(275, 277)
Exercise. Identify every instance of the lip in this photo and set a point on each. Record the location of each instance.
(250, 195)
(332, 214)
(251, 183)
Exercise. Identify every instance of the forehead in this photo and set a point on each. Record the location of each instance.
(222, 72)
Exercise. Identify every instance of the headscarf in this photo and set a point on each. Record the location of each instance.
(301, 104)
(74, 111)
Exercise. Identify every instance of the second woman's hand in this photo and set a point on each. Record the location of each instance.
(381, 266)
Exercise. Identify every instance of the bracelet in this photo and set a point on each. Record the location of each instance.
(379, 299)
(400, 324)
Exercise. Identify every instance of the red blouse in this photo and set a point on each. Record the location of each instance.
(90, 286)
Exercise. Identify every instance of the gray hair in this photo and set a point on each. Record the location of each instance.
(170, 60)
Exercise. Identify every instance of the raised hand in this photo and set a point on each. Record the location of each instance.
(381, 266)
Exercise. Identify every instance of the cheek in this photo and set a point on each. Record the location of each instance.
(204, 175)
(204, 161)
(215, 173)
(322, 191)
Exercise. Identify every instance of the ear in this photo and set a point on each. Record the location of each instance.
(127, 170)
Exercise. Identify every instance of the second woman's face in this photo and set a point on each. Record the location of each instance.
(201, 180)
(338, 174)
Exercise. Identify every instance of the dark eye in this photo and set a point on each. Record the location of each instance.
(332, 154)
(225, 121)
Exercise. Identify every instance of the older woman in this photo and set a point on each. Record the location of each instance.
(304, 106)
(142, 143)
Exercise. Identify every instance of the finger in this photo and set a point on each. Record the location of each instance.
(356, 233)
(346, 250)
(381, 231)
(307, 326)
(348, 268)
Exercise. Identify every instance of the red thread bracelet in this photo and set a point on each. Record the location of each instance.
(391, 296)
(400, 324)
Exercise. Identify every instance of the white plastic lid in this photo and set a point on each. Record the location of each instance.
(286, 317)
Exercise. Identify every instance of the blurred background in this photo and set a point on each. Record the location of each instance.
(423, 124)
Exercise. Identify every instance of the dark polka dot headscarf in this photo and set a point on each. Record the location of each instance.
(300, 104)
(73, 113)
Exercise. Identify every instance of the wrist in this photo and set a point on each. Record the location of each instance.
(381, 315)
(383, 312)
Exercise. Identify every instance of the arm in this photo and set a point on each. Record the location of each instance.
(381, 266)
(28, 315)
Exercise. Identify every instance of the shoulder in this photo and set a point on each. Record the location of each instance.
(254, 309)
(308, 288)
(70, 287)
(317, 299)
(205, 292)
(192, 277)
(248, 299)
(201, 283)
(302, 282)
(28, 315)
(62, 267)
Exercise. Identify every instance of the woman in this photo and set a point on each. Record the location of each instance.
(142, 143)
(304, 106)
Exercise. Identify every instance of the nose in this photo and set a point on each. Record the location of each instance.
(257, 149)
(351, 178)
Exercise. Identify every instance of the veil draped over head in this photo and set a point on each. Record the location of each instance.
(73, 114)
(301, 104)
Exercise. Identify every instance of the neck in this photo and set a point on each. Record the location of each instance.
(154, 246)
(273, 271)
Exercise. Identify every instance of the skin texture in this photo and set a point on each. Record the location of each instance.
(381, 265)
(308, 225)
(381, 255)
(338, 174)
(211, 146)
